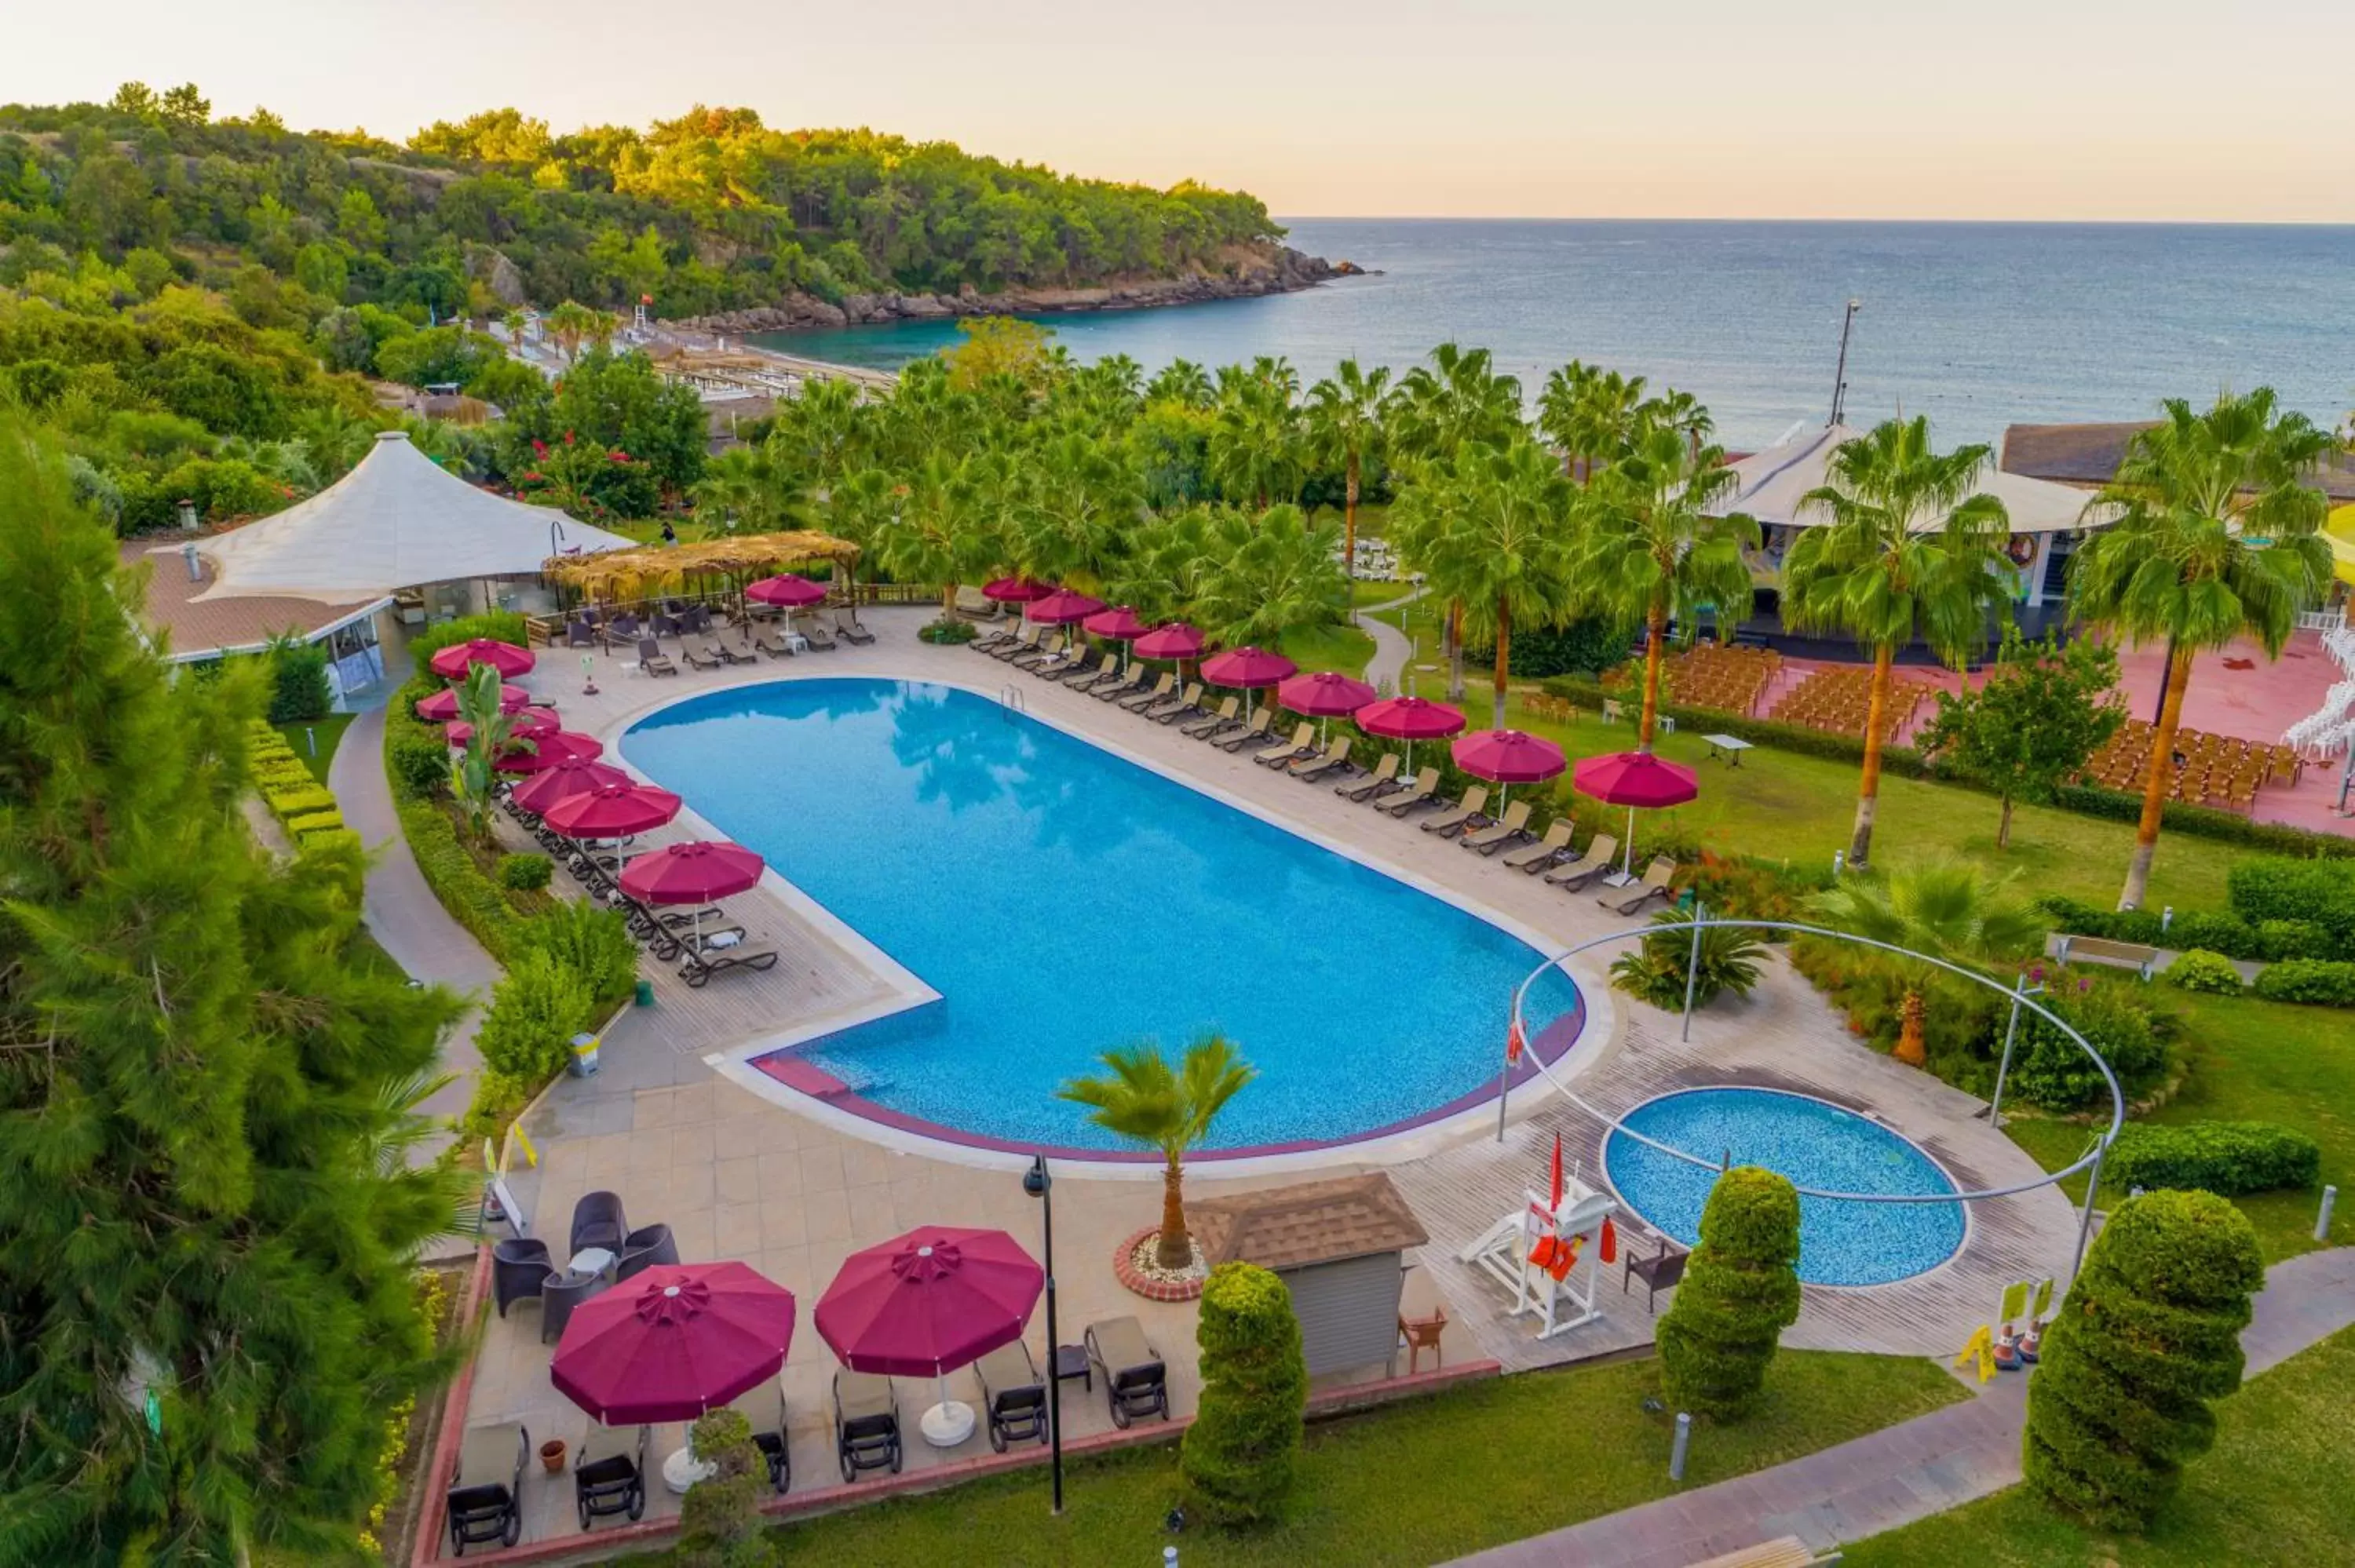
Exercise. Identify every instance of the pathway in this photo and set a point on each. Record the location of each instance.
(1392, 648)
(1907, 1472)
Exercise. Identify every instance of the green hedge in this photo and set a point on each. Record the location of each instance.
(314, 823)
(2205, 822)
(2320, 981)
(2222, 931)
(2228, 1158)
(2279, 888)
(471, 898)
(2203, 971)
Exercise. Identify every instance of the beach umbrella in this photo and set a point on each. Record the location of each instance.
(938, 1297)
(504, 657)
(611, 811)
(790, 591)
(1508, 756)
(548, 749)
(527, 721)
(1062, 607)
(694, 872)
(568, 777)
(1120, 623)
(1249, 668)
(1174, 641)
(1634, 779)
(442, 706)
(1410, 719)
(1016, 590)
(1323, 694)
(674, 1341)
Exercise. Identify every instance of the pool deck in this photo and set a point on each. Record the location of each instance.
(743, 1167)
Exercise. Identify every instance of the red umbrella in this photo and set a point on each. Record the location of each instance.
(1508, 756)
(442, 706)
(504, 657)
(1632, 778)
(1062, 607)
(788, 589)
(1121, 623)
(678, 1340)
(611, 811)
(568, 777)
(1175, 641)
(938, 1297)
(527, 721)
(1249, 668)
(1324, 693)
(694, 872)
(1016, 590)
(549, 749)
(1410, 719)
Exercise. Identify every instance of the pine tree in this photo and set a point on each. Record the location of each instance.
(1740, 1290)
(207, 1312)
(1240, 1453)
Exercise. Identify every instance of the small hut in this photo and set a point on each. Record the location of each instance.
(1338, 1245)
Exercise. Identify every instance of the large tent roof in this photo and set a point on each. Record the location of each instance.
(1773, 480)
(394, 522)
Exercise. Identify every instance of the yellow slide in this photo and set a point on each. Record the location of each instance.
(2341, 534)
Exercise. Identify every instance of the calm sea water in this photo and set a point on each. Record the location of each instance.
(1978, 325)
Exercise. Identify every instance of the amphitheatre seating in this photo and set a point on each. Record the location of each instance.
(1838, 698)
(1726, 680)
(2217, 769)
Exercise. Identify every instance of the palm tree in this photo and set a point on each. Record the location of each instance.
(752, 492)
(816, 434)
(1087, 499)
(2216, 537)
(1344, 426)
(1943, 909)
(1270, 577)
(946, 534)
(1652, 551)
(1455, 404)
(473, 776)
(569, 324)
(1494, 536)
(1911, 548)
(861, 507)
(1143, 1099)
(1591, 414)
(514, 321)
(1180, 381)
(1255, 445)
(1170, 563)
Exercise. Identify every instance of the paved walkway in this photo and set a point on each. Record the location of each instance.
(1392, 648)
(1908, 1472)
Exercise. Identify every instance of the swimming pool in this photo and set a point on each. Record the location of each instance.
(1063, 901)
(1814, 1144)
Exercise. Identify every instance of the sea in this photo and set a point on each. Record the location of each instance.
(1978, 325)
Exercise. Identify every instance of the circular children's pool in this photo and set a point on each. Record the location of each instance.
(1814, 1144)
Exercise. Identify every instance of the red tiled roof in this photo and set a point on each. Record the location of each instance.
(220, 625)
(1317, 1221)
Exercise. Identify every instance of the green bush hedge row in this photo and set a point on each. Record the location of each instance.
(2228, 1158)
(2222, 931)
(314, 823)
(2322, 981)
(2277, 888)
(471, 898)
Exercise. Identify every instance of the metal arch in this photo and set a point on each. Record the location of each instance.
(2091, 1158)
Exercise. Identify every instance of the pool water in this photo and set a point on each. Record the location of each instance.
(1815, 1145)
(1064, 901)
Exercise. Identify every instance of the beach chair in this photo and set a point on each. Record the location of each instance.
(1659, 1272)
(1302, 744)
(642, 1249)
(1335, 756)
(1236, 739)
(1105, 691)
(610, 1474)
(1203, 727)
(764, 1410)
(990, 642)
(1025, 640)
(485, 1498)
(1135, 1381)
(559, 1295)
(652, 661)
(1423, 791)
(598, 1221)
(1159, 692)
(846, 626)
(667, 625)
(811, 632)
(1654, 885)
(1600, 852)
(1188, 701)
(866, 1424)
(1013, 1397)
(714, 649)
(1463, 815)
(706, 659)
(776, 647)
(1364, 789)
(580, 634)
(719, 952)
(1073, 655)
(1046, 648)
(1488, 841)
(1107, 668)
(1547, 850)
(520, 1267)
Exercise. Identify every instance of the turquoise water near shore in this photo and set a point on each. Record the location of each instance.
(1978, 325)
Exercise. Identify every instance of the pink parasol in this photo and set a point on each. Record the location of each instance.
(1062, 607)
(504, 657)
(1016, 590)
(548, 749)
(443, 706)
(527, 721)
(1508, 756)
(676, 1341)
(1249, 668)
(1632, 778)
(1410, 719)
(939, 1297)
(1175, 641)
(694, 872)
(611, 811)
(1120, 622)
(1322, 695)
(788, 589)
(570, 777)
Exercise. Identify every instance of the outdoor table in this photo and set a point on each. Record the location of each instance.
(592, 1260)
(1072, 1362)
(1729, 747)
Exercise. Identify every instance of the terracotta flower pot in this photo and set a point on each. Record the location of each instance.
(551, 1455)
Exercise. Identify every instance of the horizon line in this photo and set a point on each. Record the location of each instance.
(2347, 223)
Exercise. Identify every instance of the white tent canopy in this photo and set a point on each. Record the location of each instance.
(1772, 482)
(396, 521)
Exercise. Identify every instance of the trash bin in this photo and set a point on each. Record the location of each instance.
(584, 1054)
(646, 993)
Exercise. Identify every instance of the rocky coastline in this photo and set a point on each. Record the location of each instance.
(1279, 269)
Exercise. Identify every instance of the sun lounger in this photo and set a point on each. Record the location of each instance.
(1199, 728)
(1073, 655)
(1654, 885)
(1586, 868)
(1236, 739)
(774, 647)
(485, 1497)
(1188, 701)
(720, 951)
(1106, 667)
(1488, 841)
(1051, 649)
(1364, 789)
(1463, 815)
(652, 661)
(1014, 1397)
(814, 634)
(1423, 791)
(764, 1410)
(725, 654)
(624, 629)
(866, 1424)
(971, 604)
(1128, 685)
(1143, 699)
(991, 641)
(1336, 756)
(1532, 858)
(847, 628)
(1302, 744)
(610, 1474)
(1135, 1381)
(1023, 642)
(703, 660)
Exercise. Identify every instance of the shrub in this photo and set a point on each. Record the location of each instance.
(2324, 981)
(1740, 1290)
(2147, 1335)
(2214, 931)
(533, 1014)
(2282, 939)
(719, 1523)
(420, 766)
(2204, 971)
(1729, 960)
(288, 803)
(2048, 1068)
(314, 822)
(498, 1097)
(298, 682)
(471, 898)
(951, 632)
(2228, 1158)
(1744, 888)
(2275, 887)
(328, 838)
(1238, 1458)
(526, 872)
(594, 944)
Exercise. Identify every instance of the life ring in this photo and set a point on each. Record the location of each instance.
(2020, 548)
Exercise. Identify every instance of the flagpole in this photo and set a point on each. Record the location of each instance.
(1504, 1073)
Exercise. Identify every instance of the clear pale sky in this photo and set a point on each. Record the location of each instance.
(2024, 109)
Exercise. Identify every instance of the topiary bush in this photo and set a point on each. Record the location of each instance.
(2148, 1334)
(2211, 973)
(719, 1523)
(2048, 1069)
(1239, 1456)
(2227, 1158)
(2322, 981)
(526, 872)
(1740, 1290)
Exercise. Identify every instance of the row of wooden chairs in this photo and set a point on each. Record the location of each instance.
(1729, 680)
(1841, 700)
(2216, 769)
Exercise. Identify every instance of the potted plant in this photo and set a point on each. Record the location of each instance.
(551, 1455)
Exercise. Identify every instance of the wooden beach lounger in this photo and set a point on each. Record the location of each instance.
(1363, 788)
(1423, 791)
(846, 626)
(1464, 812)
(652, 660)
(1023, 642)
(814, 634)
(1236, 739)
(1302, 744)
(1200, 727)
(1594, 863)
(1143, 699)
(1336, 756)
(1105, 691)
(1488, 841)
(1530, 858)
(1627, 900)
(1189, 701)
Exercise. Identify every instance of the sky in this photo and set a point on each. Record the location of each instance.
(2003, 108)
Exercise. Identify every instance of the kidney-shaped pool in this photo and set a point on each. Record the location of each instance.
(1064, 901)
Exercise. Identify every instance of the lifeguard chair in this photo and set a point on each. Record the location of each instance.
(1522, 1252)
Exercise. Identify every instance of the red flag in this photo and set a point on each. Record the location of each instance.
(1514, 1043)
(1557, 1170)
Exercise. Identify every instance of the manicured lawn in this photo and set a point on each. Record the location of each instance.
(2250, 1061)
(2277, 1488)
(1418, 1483)
(1342, 648)
(1377, 590)
(329, 732)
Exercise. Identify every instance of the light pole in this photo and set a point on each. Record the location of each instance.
(1040, 1185)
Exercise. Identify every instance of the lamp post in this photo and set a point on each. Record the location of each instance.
(1040, 1185)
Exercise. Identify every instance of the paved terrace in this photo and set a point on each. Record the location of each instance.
(741, 1167)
